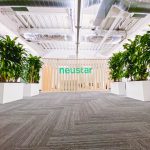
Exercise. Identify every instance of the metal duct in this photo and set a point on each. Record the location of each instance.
(104, 8)
(134, 6)
(88, 3)
(38, 3)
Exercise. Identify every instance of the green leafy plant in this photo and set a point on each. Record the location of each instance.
(130, 58)
(145, 43)
(32, 69)
(12, 57)
(116, 65)
(137, 57)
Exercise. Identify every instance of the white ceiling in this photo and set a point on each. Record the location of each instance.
(51, 31)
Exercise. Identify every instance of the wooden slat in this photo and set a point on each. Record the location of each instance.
(52, 80)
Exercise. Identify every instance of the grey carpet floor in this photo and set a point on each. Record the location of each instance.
(75, 121)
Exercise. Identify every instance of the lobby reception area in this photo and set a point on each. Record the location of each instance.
(74, 74)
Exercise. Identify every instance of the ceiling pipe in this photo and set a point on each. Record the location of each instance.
(78, 26)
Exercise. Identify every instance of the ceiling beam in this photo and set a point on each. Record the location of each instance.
(64, 31)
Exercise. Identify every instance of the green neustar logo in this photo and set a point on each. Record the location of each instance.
(85, 70)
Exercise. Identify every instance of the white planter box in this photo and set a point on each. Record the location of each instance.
(10, 92)
(30, 89)
(118, 88)
(138, 90)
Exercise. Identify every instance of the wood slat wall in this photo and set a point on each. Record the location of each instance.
(52, 80)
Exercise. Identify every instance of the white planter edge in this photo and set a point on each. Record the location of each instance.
(10, 92)
(139, 90)
(118, 88)
(30, 89)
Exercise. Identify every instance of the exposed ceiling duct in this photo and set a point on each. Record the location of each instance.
(88, 3)
(38, 3)
(134, 6)
(103, 11)
(58, 27)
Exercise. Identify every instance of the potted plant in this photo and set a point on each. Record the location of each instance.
(31, 75)
(116, 66)
(12, 57)
(137, 61)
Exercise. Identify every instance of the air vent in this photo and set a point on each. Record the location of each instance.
(139, 15)
(19, 8)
